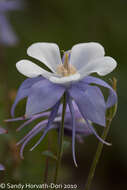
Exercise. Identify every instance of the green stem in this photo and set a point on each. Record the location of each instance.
(60, 149)
(97, 156)
(109, 116)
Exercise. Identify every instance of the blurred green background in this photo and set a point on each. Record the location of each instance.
(66, 23)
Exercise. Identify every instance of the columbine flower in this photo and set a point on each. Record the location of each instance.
(71, 76)
(2, 131)
(7, 35)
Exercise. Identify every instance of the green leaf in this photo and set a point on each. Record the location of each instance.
(49, 154)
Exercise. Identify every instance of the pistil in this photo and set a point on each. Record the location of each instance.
(66, 69)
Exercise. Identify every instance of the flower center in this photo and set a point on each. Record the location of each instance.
(66, 69)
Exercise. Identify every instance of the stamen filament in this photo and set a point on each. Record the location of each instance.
(66, 64)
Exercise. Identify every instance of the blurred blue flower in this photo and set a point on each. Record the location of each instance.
(70, 75)
(2, 131)
(7, 35)
(2, 167)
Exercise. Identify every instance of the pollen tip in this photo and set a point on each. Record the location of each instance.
(31, 149)
(6, 120)
(107, 143)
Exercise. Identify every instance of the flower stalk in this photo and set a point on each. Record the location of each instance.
(60, 149)
(109, 116)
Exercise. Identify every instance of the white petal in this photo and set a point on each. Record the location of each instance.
(29, 69)
(83, 53)
(65, 80)
(102, 66)
(48, 53)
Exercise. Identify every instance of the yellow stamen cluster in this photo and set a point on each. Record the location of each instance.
(66, 69)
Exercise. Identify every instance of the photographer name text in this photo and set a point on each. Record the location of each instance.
(37, 186)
